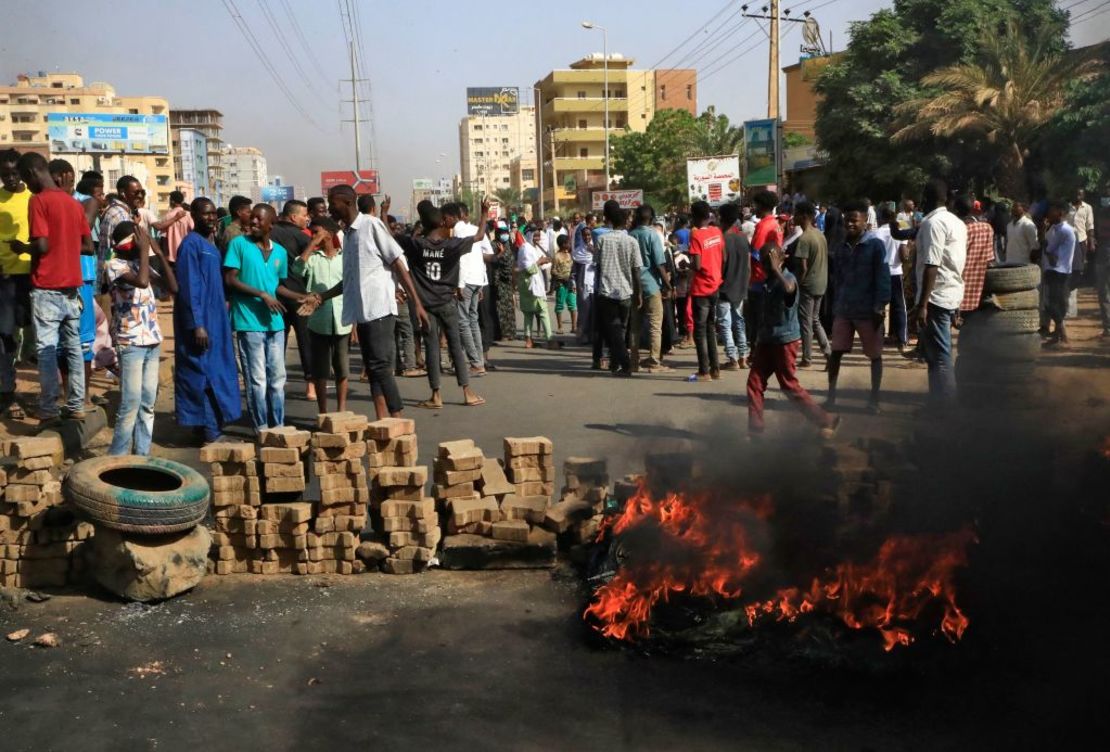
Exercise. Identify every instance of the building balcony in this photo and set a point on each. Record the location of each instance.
(585, 104)
(582, 135)
(579, 163)
(594, 76)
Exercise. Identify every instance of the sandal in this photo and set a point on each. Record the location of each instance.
(476, 402)
(430, 405)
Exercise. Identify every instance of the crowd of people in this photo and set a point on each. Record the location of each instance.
(757, 287)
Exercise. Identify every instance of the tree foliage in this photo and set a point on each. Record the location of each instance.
(655, 160)
(882, 69)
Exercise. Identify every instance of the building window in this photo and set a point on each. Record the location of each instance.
(581, 95)
(477, 127)
(133, 111)
(56, 84)
(504, 140)
(504, 127)
(689, 91)
(504, 180)
(479, 154)
(75, 101)
(620, 121)
(584, 152)
(663, 92)
(582, 124)
(528, 175)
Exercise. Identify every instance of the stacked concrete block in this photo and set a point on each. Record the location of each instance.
(391, 442)
(530, 465)
(586, 479)
(37, 533)
(459, 470)
(282, 459)
(236, 497)
(338, 450)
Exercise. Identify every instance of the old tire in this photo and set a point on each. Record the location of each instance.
(984, 342)
(1025, 321)
(138, 494)
(1011, 278)
(998, 374)
(1023, 300)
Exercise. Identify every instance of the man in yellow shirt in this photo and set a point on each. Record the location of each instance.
(15, 270)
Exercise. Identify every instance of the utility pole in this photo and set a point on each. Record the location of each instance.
(773, 73)
(355, 81)
(536, 97)
(554, 182)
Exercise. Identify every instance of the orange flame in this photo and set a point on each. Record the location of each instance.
(709, 552)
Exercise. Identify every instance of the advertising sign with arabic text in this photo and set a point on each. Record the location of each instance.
(714, 179)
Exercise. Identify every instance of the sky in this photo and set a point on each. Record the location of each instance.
(419, 57)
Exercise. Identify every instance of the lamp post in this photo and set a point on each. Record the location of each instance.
(605, 85)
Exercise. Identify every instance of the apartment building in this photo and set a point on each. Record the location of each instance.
(244, 170)
(488, 145)
(209, 123)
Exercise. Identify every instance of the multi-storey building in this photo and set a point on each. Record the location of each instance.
(570, 121)
(25, 105)
(244, 170)
(210, 123)
(191, 154)
(488, 145)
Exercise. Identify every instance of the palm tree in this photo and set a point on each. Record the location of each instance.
(510, 198)
(713, 135)
(1008, 99)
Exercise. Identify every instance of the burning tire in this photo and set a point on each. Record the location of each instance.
(138, 494)
(1011, 278)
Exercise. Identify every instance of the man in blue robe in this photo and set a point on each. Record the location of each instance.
(206, 381)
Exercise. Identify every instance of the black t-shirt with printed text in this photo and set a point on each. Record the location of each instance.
(434, 265)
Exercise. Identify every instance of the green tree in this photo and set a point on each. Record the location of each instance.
(714, 135)
(1074, 151)
(1006, 99)
(887, 57)
(510, 198)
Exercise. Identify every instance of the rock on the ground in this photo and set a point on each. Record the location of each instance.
(19, 634)
(467, 551)
(47, 640)
(149, 567)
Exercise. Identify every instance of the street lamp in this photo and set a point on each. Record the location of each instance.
(605, 85)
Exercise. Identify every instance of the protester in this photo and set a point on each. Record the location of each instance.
(174, 225)
(15, 274)
(585, 275)
(1082, 219)
(618, 289)
(289, 231)
(504, 273)
(1022, 242)
(433, 259)
(1061, 246)
(767, 230)
(655, 282)
(980, 252)
(136, 333)
(562, 279)
(256, 269)
(206, 383)
(472, 281)
(530, 263)
(862, 293)
(318, 207)
(1102, 269)
(776, 348)
(941, 255)
(240, 224)
(320, 265)
(58, 235)
(707, 246)
(122, 207)
(811, 255)
(735, 277)
(897, 254)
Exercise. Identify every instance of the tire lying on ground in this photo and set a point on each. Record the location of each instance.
(1022, 300)
(1011, 278)
(138, 494)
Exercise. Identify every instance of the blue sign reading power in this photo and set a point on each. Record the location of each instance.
(100, 131)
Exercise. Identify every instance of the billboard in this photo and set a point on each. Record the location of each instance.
(423, 184)
(100, 133)
(277, 194)
(492, 100)
(365, 181)
(714, 179)
(761, 153)
(629, 199)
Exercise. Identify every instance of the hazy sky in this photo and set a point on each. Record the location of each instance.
(419, 55)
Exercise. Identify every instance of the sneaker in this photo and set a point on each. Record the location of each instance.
(732, 365)
(715, 374)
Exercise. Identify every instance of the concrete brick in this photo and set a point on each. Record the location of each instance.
(15, 494)
(280, 455)
(474, 528)
(341, 422)
(37, 463)
(559, 517)
(284, 436)
(285, 485)
(390, 428)
(534, 489)
(530, 461)
(461, 447)
(272, 470)
(350, 452)
(18, 476)
(493, 479)
(463, 460)
(515, 446)
(402, 476)
(414, 553)
(392, 565)
(330, 482)
(236, 498)
(455, 477)
(322, 440)
(293, 513)
(532, 509)
(450, 492)
(233, 468)
(531, 474)
(511, 530)
(324, 525)
(228, 452)
(26, 448)
(467, 510)
(340, 467)
(423, 509)
(407, 524)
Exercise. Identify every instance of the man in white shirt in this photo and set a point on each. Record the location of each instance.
(872, 218)
(1082, 219)
(472, 278)
(1021, 236)
(370, 259)
(941, 255)
(895, 255)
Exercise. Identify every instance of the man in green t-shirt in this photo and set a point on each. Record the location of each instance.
(812, 270)
(255, 269)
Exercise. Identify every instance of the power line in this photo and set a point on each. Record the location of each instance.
(304, 42)
(1073, 5)
(357, 33)
(682, 44)
(280, 36)
(1090, 13)
(237, 17)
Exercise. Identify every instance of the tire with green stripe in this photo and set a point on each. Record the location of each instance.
(138, 494)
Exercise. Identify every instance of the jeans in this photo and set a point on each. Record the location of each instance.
(1055, 286)
(445, 318)
(376, 340)
(57, 318)
(1102, 285)
(898, 322)
(731, 330)
(649, 317)
(405, 340)
(809, 318)
(469, 325)
(262, 360)
(705, 333)
(612, 325)
(937, 340)
(138, 387)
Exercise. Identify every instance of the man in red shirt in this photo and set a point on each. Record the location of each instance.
(707, 246)
(768, 232)
(59, 234)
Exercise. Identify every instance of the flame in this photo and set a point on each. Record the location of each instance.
(706, 548)
(1106, 447)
